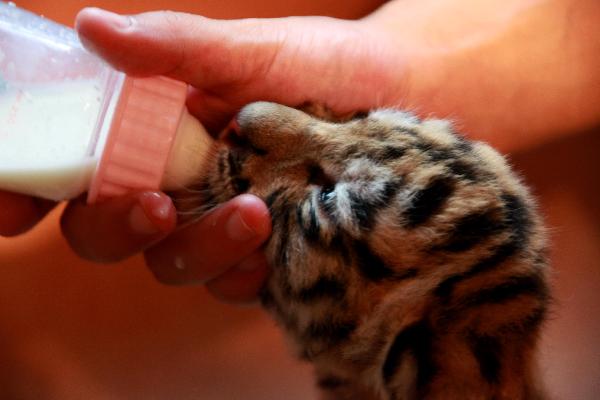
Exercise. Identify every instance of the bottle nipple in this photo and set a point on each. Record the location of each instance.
(188, 154)
(153, 142)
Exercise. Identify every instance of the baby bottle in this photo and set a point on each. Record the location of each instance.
(71, 124)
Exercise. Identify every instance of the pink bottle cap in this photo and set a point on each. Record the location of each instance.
(141, 134)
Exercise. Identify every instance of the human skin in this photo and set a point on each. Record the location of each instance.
(490, 67)
(514, 73)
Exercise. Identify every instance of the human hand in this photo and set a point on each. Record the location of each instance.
(221, 250)
(228, 64)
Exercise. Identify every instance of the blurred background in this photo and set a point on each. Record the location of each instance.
(74, 330)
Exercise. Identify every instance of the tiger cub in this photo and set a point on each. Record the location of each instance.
(407, 262)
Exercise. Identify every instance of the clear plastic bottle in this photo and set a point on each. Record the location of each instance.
(70, 124)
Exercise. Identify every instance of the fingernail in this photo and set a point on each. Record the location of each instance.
(89, 46)
(156, 204)
(116, 20)
(151, 214)
(238, 229)
(140, 223)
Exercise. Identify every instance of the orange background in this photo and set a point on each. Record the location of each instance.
(74, 330)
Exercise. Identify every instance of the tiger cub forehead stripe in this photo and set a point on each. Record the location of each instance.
(472, 229)
(427, 201)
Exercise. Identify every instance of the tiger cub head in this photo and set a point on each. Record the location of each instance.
(363, 204)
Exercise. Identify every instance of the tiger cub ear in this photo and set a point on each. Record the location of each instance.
(325, 113)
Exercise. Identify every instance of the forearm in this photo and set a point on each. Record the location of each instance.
(514, 73)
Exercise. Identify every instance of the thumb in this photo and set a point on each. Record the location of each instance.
(198, 50)
(234, 62)
(226, 61)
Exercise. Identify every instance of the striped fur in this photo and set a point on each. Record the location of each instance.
(408, 262)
